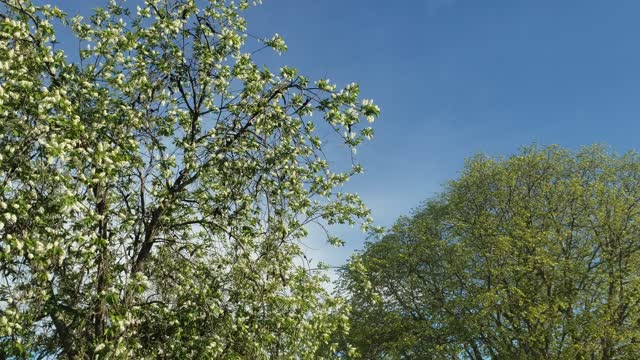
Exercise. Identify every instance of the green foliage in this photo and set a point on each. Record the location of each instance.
(154, 192)
(532, 257)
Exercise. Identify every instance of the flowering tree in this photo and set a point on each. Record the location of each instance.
(154, 191)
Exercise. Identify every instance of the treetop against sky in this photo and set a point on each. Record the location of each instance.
(156, 175)
(458, 77)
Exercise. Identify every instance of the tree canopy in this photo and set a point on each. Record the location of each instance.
(155, 183)
(536, 256)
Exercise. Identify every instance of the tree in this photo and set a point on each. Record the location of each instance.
(531, 257)
(154, 191)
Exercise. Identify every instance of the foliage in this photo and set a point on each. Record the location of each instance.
(153, 192)
(536, 256)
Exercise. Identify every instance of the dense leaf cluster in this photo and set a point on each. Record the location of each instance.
(536, 256)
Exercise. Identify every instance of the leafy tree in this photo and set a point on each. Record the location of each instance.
(154, 191)
(536, 256)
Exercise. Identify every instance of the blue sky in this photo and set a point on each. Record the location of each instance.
(458, 77)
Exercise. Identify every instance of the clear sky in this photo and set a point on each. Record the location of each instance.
(458, 77)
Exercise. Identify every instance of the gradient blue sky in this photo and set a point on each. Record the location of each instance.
(458, 77)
